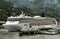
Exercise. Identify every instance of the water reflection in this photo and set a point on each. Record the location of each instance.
(40, 36)
(9, 35)
(15, 35)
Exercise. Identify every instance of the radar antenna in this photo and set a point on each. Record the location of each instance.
(22, 13)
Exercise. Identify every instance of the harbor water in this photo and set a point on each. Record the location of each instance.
(40, 37)
(9, 35)
(15, 35)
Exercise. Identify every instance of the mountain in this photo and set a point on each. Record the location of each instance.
(55, 4)
(51, 8)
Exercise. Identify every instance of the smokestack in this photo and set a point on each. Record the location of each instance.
(42, 14)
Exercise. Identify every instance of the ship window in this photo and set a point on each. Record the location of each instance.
(25, 24)
(27, 19)
(19, 19)
(33, 24)
(47, 22)
(53, 22)
(13, 19)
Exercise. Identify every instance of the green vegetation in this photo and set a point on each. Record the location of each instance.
(6, 10)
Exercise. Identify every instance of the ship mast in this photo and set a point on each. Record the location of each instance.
(22, 15)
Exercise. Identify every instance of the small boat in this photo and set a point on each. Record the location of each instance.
(49, 32)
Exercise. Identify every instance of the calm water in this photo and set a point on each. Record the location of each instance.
(15, 35)
(40, 37)
(9, 35)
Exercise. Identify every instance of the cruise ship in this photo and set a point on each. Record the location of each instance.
(28, 23)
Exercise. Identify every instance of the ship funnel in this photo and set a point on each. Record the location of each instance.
(42, 14)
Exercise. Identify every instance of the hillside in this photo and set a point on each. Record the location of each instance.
(30, 7)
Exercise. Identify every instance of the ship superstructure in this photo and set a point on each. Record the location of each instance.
(28, 23)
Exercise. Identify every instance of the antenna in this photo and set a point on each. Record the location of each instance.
(22, 12)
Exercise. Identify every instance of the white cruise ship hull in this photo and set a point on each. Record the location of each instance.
(12, 27)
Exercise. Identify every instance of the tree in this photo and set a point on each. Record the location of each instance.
(5, 9)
